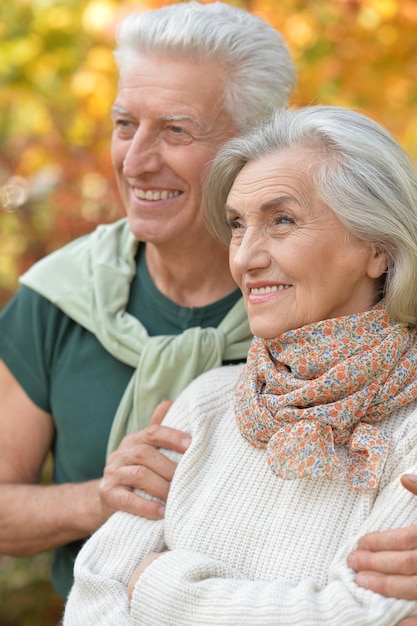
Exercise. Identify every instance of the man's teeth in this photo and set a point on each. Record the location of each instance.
(268, 289)
(155, 195)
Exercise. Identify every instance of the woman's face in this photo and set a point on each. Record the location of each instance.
(290, 255)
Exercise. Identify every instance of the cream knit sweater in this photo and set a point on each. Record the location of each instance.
(245, 547)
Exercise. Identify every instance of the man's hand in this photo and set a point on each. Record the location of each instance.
(138, 464)
(386, 562)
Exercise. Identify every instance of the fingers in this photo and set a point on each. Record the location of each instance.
(398, 539)
(409, 481)
(387, 562)
(408, 621)
(160, 411)
(115, 496)
(127, 465)
(156, 436)
(146, 469)
(123, 499)
(154, 480)
(139, 464)
(404, 587)
(388, 565)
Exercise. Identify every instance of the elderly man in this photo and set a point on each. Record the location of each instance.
(103, 330)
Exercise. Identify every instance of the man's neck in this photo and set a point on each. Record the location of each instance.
(191, 277)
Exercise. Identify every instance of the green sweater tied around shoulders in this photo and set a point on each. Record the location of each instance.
(89, 280)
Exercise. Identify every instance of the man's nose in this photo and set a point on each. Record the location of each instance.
(143, 155)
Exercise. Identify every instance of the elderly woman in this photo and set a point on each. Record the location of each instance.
(299, 452)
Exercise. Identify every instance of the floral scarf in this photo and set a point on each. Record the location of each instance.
(324, 384)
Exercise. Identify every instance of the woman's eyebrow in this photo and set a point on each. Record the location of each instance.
(270, 204)
(276, 202)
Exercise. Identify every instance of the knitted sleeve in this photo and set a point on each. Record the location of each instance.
(103, 569)
(187, 588)
(108, 559)
(201, 590)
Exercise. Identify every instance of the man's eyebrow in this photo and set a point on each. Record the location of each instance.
(166, 118)
(116, 109)
(181, 118)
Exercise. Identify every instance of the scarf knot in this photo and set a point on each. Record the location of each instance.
(98, 270)
(325, 385)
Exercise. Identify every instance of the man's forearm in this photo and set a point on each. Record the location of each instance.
(35, 518)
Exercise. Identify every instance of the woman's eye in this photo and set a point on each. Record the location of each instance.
(233, 223)
(283, 219)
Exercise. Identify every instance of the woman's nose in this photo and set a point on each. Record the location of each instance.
(252, 252)
(143, 154)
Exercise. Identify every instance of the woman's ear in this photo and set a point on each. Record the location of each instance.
(378, 262)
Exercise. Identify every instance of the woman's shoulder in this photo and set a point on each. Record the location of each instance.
(209, 394)
(403, 422)
(401, 426)
(217, 383)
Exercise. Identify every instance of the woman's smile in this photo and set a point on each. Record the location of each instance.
(266, 292)
(292, 257)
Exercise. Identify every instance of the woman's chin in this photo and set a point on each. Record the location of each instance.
(267, 333)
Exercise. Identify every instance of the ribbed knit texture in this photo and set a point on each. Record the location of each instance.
(246, 548)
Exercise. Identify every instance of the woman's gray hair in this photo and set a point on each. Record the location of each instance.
(360, 172)
(261, 74)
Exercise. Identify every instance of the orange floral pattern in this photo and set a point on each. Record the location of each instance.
(325, 384)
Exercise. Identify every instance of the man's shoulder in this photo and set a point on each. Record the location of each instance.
(27, 302)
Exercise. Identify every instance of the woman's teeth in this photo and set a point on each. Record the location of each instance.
(268, 289)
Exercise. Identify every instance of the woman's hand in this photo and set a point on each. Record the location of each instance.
(152, 556)
(386, 562)
(138, 464)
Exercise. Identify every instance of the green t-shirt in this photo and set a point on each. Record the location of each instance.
(67, 372)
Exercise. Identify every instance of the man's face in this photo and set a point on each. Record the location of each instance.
(169, 122)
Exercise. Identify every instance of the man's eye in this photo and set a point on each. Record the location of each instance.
(177, 135)
(124, 128)
(123, 123)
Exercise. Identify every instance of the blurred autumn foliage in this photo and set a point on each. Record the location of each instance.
(58, 80)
